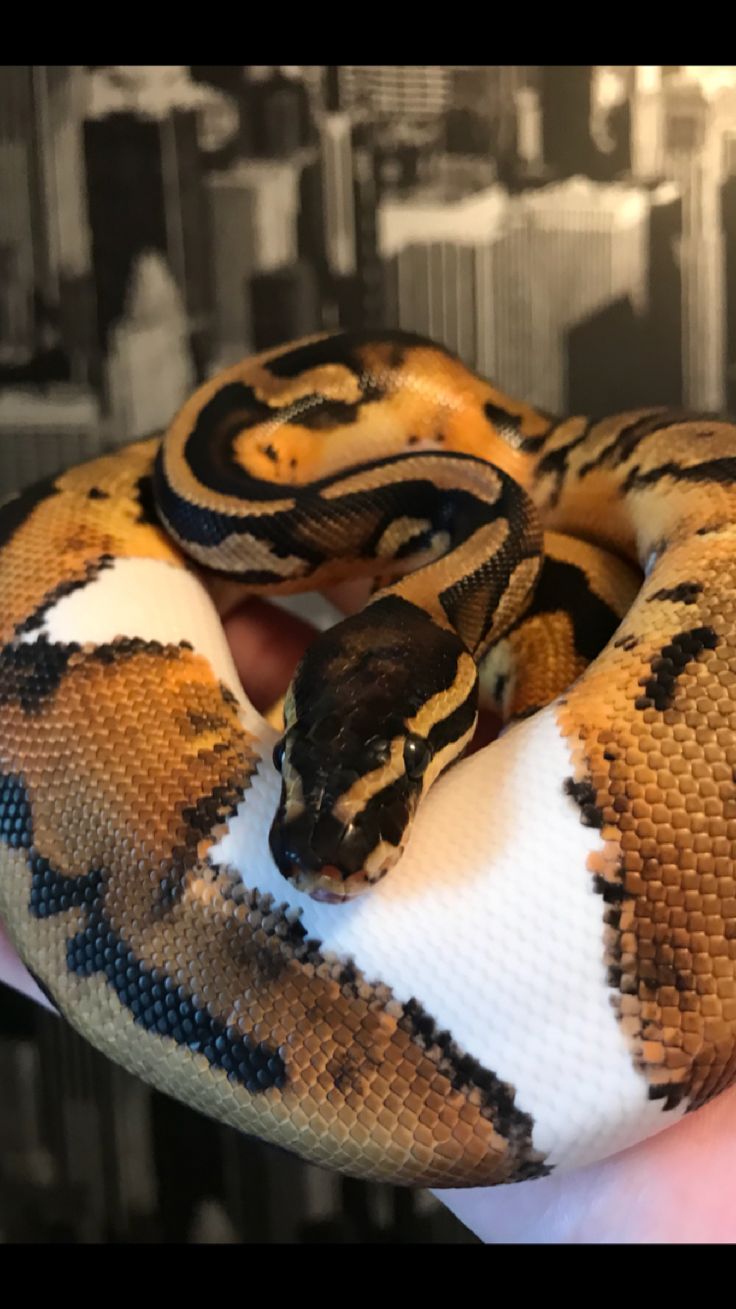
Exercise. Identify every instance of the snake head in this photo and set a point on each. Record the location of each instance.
(379, 706)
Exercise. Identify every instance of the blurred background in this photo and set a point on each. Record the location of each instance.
(570, 231)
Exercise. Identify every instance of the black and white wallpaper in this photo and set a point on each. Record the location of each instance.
(569, 230)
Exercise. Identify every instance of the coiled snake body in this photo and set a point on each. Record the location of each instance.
(548, 973)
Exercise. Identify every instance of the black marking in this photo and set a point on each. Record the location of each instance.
(628, 643)
(456, 725)
(32, 672)
(721, 471)
(209, 447)
(497, 1100)
(53, 892)
(201, 723)
(684, 593)
(95, 493)
(15, 512)
(565, 586)
(672, 1095)
(613, 892)
(16, 821)
(555, 463)
(92, 570)
(319, 414)
(711, 528)
(154, 998)
(509, 426)
(147, 511)
(271, 453)
(485, 585)
(670, 662)
(172, 1011)
(356, 521)
(584, 795)
(127, 647)
(236, 407)
(630, 437)
(343, 348)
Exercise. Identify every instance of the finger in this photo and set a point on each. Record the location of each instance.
(14, 973)
(679, 1186)
(349, 597)
(267, 644)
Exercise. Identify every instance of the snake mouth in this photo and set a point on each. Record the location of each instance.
(329, 886)
(328, 859)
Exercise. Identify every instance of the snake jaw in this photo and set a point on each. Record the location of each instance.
(332, 857)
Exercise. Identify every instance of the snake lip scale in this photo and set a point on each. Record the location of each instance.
(325, 935)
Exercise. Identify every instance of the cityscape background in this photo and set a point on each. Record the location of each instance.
(569, 230)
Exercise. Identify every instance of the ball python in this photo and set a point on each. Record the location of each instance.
(547, 973)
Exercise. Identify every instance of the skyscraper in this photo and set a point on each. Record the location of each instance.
(728, 220)
(395, 90)
(664, 313)
(503, 278)
(146, 192)
(44, 231)
(279, 109)
(253, 208)
(439, 263)
(694, 159)
(647, 123)
(338, 201)
(566, 104)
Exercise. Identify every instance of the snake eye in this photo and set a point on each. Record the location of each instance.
(278, 753)
(417, 755)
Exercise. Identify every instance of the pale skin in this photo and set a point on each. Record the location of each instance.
(677, 1187)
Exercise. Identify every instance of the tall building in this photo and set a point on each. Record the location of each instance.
(149, 360)
(253, 207)
(279, 110)
(338, 200)
(503, 278)
(728, 214)
(647, 123)
(664, 312)
(146, 193)
(440, 258)
(45, 253)
(571, 250)
(694, 160)
(360, 296)
(43, 431)
(401, 90)
(529, 132)
(284, 303)
(566, 93)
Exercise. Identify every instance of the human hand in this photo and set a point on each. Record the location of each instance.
(677, 1187)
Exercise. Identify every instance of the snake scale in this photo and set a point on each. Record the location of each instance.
(548, 971)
